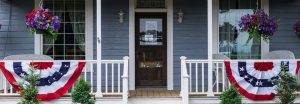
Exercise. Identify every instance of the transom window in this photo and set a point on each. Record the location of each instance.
(232, 42)
(151, 3)
(70, 44)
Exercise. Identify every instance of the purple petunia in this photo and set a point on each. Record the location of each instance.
(297, 28)
(41, 20)
(258, 25)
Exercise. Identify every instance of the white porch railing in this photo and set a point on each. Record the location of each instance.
(114, 78)
(195, 78)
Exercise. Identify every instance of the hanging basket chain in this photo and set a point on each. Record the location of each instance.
(41, 3)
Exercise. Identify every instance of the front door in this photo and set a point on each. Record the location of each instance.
(151, 49)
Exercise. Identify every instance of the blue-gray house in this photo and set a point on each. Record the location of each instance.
(154, 34)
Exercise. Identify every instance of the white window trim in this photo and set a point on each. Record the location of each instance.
(38, 39)
(265, 46)
(215, 49)
(169, 10)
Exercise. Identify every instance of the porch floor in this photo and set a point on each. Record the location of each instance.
(154, 93)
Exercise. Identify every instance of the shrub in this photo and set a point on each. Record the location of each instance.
(81, 93)
(286, 85)
(231, 96)
(28, 88)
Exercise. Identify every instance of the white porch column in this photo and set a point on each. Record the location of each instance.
(99, 74)
(131, 45)
(210, 46)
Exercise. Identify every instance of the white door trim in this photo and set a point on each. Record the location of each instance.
(170, 44)
(132, 11)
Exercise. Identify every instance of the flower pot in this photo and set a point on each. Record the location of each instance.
(22, 93)
(40, 32)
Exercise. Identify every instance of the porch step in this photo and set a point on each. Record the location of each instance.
(154, 96)
(153, 93)
(154, 101)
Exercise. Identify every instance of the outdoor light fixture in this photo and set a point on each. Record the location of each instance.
(180, 16)
(121, 16)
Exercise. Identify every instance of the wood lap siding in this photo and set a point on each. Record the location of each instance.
(288, 12)
(17, 39)
(190, 37)
(115, 38)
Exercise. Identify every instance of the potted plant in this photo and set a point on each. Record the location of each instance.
(81, 93)
(28, 88)
(258, 25)
(231, 96)
(41, 22)
(287, 84)
(297, 28)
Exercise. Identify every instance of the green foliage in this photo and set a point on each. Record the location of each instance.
(253, 34)
(49, 35)
(231, 96)
(81, 93)
(287, 84)
(28, 88)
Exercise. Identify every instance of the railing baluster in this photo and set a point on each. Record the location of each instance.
(112, 78)
(190, 73)
(119, 82)
(217, 79)
(1, 82)
(223, 72)
(106, 78)
(5, 87)
(10, 89)
(85, 73)
(92, 76)
(196, 77)
(202, 65)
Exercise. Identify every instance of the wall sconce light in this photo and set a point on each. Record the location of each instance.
(180, 16)
(121, 16)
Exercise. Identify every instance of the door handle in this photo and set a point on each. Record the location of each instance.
(99, 39)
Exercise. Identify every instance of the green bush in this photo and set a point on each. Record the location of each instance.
(28, 88)
(287, 84)
(81, 93)
(231, 96)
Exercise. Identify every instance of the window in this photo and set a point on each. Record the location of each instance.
(150, 3)
(232, 42)
(151, 31)
(70, 44)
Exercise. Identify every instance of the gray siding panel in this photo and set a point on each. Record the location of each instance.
(15, 38)
(115, 35)
(288, 13)
(190, 37)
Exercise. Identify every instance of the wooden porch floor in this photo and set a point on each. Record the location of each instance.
(154, 92)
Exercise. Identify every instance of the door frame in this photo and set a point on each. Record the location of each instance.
(169, 11)
(163, 47)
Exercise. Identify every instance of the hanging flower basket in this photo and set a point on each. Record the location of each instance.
(297, 28)
(258, 25)
(41, 22)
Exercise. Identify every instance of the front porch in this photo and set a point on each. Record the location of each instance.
(189, 72)
(201, 84)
